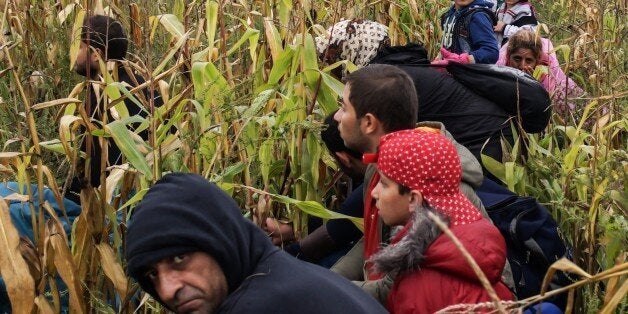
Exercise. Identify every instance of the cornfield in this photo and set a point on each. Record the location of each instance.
(244, 95)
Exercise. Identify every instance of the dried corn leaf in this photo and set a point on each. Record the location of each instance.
(65, 266)
(43, 305)
(113, 269)
(56, 102)
(15, 272)
(76, 37)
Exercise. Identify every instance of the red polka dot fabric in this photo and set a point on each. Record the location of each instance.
(427, 162)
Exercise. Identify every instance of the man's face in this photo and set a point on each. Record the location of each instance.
(394, 208)
(349, 124)
(83, 61)
(189, 283)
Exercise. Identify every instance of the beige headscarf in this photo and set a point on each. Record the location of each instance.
(354, 40)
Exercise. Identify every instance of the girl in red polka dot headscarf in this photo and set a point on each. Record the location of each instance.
(420, 172)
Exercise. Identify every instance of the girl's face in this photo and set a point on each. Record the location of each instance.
(394, 207)
(523, 59)
(510, 3)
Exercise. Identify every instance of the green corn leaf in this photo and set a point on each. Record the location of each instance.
(281, 66)
(211, 16)
(171, 53)
(495, 167)
(333, 83)
(246, 36)
(314, 151)
(230, 172)
(266, 158)
(206, 75)
(120, 135)
(258, 103)
(317, 209)
(53, 145)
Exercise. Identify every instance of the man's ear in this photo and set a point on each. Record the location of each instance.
(95, 54)
(369, 123)
(416, 200)
(344, 159)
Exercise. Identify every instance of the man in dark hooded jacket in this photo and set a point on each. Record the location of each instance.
(190, 248)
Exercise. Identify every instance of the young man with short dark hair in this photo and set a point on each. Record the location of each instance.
(368, 112)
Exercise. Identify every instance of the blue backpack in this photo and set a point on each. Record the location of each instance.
(533, 239)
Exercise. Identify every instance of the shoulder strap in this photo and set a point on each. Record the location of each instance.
(466, 16)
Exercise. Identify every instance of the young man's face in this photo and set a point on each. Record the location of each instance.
(85, 60)
(462, 3)
(189, 283)
(394, 208)
(349, 124)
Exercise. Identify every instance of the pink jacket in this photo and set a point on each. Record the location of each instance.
(560, 87)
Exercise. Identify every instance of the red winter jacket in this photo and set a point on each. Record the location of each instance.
(439, 276)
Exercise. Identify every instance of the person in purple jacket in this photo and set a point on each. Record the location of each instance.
(468, 35)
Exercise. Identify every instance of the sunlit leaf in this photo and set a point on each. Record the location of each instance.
(171, 23)
(273, 39)
(76, 37)
(211, 16)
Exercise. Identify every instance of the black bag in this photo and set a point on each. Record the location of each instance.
(518, 93)
(533, 239)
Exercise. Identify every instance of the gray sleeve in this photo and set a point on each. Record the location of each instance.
(378, 289)
(351, 266)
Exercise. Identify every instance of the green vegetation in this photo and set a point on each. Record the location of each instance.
(245, 96)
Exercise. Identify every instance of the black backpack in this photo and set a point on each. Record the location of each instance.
(533, 239)
(518, 93)
(461, 26)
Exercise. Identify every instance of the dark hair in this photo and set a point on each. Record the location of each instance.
(387, 92)
(106, 34)
(525, 39)
(331, 137)
(403, 189)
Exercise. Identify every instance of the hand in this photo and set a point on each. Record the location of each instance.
(528, 69)
(278, 232)
(448, 56)
(499, 27)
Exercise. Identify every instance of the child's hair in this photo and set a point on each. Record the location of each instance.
(527, 40)
(106, 34)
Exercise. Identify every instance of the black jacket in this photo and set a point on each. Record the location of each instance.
(470, 118)
(114, 155)
(184, 213)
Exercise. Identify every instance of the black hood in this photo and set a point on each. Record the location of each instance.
(410, 54)
(184, 213)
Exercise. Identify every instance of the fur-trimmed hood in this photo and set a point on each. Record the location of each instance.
(420, 244)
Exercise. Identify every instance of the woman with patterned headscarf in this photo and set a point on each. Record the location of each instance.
(474, 121)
